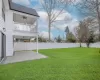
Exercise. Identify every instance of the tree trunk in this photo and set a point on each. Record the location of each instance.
(80, 45)
(88, 45)
(98, 16)
(49, 31)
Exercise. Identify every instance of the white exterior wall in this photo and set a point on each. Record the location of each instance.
(1, 19)
(9, 32)
(2, 25)
(0, 7)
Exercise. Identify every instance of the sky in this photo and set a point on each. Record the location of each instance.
(71, 16)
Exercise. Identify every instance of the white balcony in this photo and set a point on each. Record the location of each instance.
(21, 29)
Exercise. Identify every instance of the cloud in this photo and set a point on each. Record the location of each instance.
(45, 34)
(43, 15)
(42, 20)
(65, 20)
(43, 23)
(23, 2)
(65, 16)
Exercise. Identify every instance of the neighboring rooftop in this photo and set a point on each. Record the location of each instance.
(23, 9)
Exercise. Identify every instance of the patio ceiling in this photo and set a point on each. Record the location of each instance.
(23, 37)
(18, 18)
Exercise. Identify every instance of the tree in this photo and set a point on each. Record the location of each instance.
(90, 7)
(71, 37)
(79, 32)
(67, 31)
(41, 39)
(83, 31)
(53, 8)
(90, 39)
(58, 39)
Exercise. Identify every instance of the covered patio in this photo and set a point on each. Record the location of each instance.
(20, 56)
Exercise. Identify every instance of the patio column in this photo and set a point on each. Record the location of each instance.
(37, 35)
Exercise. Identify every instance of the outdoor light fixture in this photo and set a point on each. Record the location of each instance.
(24, 17)
(4, 29)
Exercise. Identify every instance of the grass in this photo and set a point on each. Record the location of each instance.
(61, 64)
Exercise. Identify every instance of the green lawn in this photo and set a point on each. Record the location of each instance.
(61, 64)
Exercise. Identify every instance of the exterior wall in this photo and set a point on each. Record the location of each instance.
(2, 25)
(32, 46)
(9, 32)
(1, 19)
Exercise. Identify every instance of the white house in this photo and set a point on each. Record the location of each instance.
(16, 21)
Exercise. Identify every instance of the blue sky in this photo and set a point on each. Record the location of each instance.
(71, 14)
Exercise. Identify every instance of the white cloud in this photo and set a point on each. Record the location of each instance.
(24, 2)
(64, 20)
(45, 34)
(65, 15)
(43, 15)
(74, 23)
(43, 23)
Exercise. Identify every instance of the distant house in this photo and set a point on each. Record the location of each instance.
(16, 22)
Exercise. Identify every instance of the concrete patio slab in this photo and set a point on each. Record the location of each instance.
(24, 56)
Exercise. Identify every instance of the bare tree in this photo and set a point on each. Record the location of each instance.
(90, 7)
(79, 32)
(53, 8)
(83, 31)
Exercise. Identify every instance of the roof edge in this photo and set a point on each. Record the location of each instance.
(10, 2)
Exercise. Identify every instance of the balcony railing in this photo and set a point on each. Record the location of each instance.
(24, 27)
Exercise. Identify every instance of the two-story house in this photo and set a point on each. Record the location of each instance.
(16, 21)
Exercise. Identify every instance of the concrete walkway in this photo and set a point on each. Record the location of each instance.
(23, 56)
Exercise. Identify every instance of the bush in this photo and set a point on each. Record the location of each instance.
(71, 38)
(58, 39)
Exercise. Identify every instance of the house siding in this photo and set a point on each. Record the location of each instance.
(1, 18)
(1, 27)
(1, 24)
(9, 33)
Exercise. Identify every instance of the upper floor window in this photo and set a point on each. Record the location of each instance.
(3, 10)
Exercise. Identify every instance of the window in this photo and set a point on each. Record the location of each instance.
(3, 10)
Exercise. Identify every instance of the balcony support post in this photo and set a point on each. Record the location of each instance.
(37, 35)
